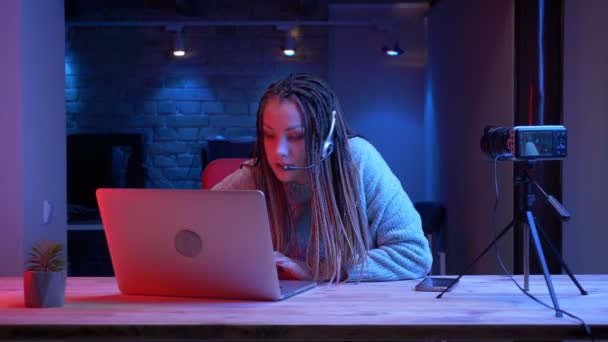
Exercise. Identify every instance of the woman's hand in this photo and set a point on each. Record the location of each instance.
(290, 268)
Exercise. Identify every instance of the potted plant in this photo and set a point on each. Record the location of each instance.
(45, 276)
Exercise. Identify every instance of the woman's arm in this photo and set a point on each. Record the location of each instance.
(399, 248)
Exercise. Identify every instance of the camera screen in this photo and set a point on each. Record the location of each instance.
(535, 143)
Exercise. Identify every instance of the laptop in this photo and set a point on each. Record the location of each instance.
(193, 243)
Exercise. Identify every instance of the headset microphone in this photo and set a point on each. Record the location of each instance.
(293, 168)
(327, 149)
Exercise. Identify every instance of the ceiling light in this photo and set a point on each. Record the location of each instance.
(394, 51)
(289, 45)
(178, 44)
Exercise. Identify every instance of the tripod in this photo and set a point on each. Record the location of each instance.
(530, 228)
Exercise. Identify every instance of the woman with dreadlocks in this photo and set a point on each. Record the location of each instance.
(336, 209)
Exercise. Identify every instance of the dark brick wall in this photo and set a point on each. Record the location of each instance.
(124, 80)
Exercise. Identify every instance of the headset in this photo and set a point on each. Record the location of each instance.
(326, 149)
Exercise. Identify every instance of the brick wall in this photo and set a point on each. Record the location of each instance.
(125, 80)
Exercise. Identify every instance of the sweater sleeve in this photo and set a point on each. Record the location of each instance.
(399, 248)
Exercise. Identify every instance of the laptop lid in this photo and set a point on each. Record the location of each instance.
(192, 243)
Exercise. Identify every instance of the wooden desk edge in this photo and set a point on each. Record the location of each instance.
(299, 332)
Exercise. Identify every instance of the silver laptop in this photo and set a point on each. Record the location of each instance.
(192, 243)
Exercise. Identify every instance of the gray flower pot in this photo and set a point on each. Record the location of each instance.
(44, 289)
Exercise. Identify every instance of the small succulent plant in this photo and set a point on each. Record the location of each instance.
(46, 256)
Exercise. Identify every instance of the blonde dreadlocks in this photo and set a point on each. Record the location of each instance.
(338, 224)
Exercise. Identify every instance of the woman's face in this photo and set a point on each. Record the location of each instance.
(285, 140)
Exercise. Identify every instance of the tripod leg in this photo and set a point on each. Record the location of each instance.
(506, 229)
(526, 246)
(545, 238)
(543, 262)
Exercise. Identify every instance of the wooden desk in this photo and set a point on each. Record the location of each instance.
(480, 307)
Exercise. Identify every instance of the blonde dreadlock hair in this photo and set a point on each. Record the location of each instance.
(338, 226)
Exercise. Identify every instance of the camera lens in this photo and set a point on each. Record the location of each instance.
(494, 141)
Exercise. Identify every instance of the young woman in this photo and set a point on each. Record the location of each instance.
(336, 209)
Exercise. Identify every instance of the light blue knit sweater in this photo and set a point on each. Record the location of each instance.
(400, 249)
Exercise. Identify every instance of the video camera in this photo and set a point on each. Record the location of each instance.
(524, 143)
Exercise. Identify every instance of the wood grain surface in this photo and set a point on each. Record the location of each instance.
(480, 307)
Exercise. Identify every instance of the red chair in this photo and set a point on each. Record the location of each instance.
(218, 169)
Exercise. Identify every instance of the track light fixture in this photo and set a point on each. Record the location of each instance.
(394, 51)
(178, 44)
(178, 40)
(289, 44)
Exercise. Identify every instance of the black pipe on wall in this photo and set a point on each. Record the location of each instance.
(538, 101)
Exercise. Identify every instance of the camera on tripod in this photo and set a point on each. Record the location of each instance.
(528, 143)
(524, 143)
